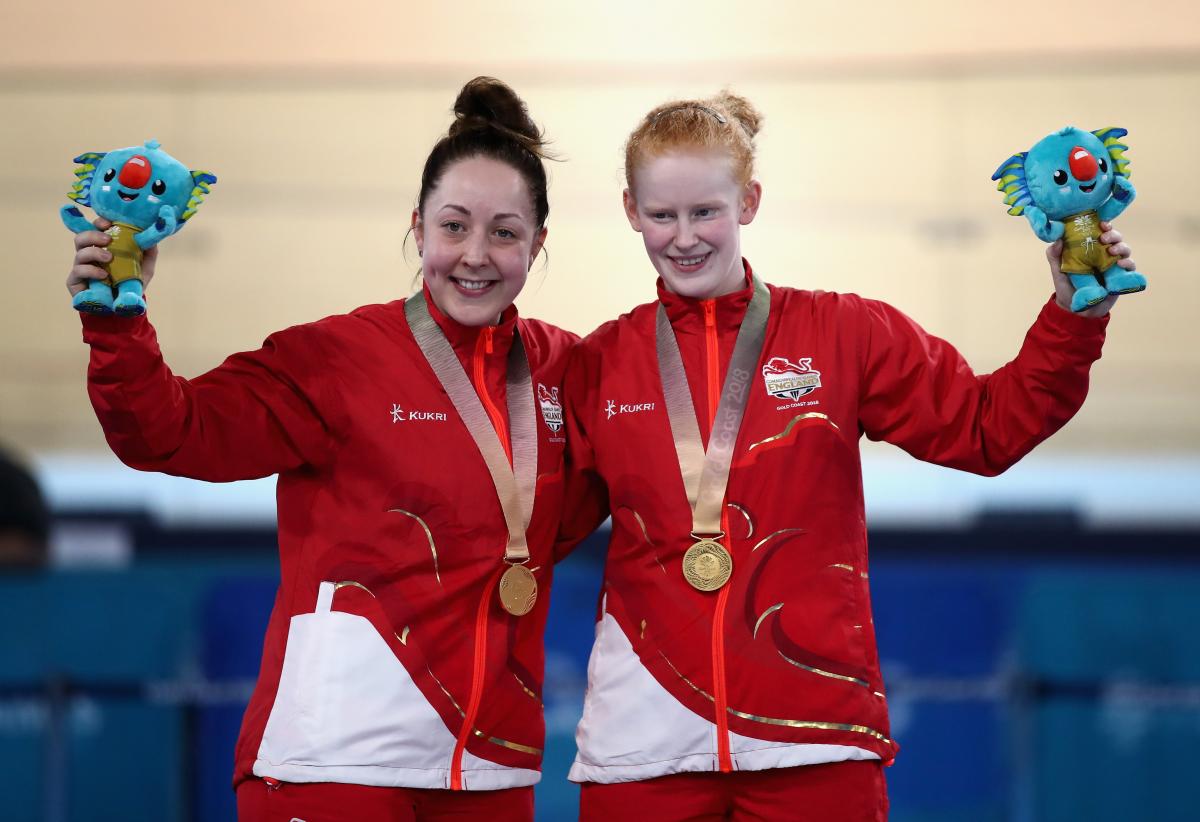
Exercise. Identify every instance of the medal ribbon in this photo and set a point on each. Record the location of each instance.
(706, 473)
(514, 483)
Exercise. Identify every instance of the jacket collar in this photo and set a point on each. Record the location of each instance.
(687, 313)
(465, 338)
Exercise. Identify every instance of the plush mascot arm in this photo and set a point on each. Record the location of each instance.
(163, 227)
(1122, 195)
(1046, 229)
(74, 220)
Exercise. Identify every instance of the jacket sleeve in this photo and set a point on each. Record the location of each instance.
(917, 391)
(585, 499)
(252, 416)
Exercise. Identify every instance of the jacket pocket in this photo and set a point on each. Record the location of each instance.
(345, 699)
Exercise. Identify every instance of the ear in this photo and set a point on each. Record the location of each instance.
(631, 211)
(751, 200)
(418, 230)
(202, 183)
(538, 242)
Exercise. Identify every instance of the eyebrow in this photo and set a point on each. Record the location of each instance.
(467, 212)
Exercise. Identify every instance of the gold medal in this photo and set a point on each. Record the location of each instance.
(707, 565)
(518, 590)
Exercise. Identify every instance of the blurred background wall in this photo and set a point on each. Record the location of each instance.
(883, 125)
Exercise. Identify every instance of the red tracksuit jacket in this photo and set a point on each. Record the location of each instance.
(388, 659)
(778, 668)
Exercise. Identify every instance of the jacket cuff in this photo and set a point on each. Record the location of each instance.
(1059, 318)
(109, 324)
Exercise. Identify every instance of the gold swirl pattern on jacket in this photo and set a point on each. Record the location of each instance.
(820, 726)
(646, 535)
(769, 537)
(746, 514)
(787, 429)
(687, 681)
(786, 723)
(763, 616)
(503, 743)
(829, 674)
(349, 583)
(527, 690)
(428, 536)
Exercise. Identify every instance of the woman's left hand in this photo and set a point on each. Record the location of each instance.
(1064, 290)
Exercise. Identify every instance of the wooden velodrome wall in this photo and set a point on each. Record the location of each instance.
(875, 173)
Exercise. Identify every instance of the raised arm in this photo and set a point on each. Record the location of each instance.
(257, 414)
(919, 393)
(252, 416)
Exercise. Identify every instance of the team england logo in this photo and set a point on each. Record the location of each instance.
(551, 407)
(789, 380)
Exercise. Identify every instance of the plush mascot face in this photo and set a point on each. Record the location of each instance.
(1068, 172)
(130, 185)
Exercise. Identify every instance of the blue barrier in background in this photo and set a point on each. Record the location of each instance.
(1022, 690)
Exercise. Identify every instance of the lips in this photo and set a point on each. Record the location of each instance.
(127, 196)
(472, 288)
(1087, 189)
(690, 264)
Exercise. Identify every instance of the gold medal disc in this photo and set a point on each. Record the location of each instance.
(518, 590)
(707, 565)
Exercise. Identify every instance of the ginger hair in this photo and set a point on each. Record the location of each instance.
(725, 122)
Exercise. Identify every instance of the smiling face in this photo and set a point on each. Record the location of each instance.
(690, 208)
(132, 184)
(477, 238)
(1069, 172)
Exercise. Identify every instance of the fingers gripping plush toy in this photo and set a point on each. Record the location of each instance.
(148, 195)
(1065, 186)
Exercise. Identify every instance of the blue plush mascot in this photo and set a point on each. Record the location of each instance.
(148, 195)
(1065, 186)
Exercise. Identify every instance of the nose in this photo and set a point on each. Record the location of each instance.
(136, 172)
(475, 250)
(685, 235)
(1083, 164)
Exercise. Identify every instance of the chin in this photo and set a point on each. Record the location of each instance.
(473, 314)
(698, 286)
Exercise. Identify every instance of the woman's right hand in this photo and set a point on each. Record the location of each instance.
(91, 254)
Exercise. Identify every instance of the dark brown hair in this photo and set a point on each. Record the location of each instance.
(490, 120)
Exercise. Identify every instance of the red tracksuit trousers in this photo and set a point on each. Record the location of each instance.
(336, 802)
(836, 792)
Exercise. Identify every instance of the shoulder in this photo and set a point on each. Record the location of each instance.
(376, 318)
(637, 321)
(791, 304)
(338, 336)
(547, 336)
(547, 346)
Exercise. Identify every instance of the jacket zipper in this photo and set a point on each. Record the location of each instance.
(724, 760)
(478, 663)
(483, 346)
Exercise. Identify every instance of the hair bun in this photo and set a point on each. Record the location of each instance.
(741, 110)
(487, 103)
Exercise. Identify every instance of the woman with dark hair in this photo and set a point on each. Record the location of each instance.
(418, 445)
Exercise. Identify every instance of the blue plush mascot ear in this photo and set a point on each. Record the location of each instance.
(81, 192)
(1111, 137)
(1011, 175)
(202, 184)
